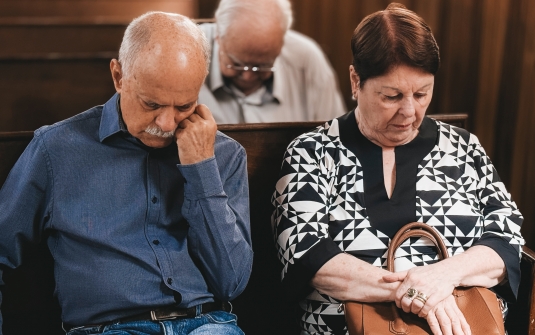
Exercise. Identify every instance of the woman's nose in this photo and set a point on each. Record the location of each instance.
(166, 120)
(407, 107)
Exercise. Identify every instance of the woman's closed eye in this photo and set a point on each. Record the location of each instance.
(393, 97)
(419, 96)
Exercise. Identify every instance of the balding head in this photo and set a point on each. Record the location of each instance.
(159, 34)
(250, 34)
(163, 62)
(253, 13)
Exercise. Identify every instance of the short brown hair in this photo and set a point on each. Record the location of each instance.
(391, 37)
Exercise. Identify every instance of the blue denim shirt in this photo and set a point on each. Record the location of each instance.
(130, 228)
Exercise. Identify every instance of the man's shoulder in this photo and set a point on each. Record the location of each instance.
(298, 42)
(228, 145)
(302, 50)
(85, 122)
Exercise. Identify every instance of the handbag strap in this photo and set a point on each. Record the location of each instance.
(415, 229)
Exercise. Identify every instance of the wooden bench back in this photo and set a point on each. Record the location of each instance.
(261, 308)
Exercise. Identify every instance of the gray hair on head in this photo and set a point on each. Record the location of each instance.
(138, 33)
(228, 9)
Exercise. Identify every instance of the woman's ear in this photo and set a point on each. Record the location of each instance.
(355, 82)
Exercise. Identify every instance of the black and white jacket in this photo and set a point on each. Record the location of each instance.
(331, 198)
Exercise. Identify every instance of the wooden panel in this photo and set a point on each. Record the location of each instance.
(118, 10)
(35, 93)
(58, 39)
(493, 29)
(523, 152)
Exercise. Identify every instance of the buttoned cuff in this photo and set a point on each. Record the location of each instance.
(202, 179)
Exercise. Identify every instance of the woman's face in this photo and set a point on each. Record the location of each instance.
(391, 107)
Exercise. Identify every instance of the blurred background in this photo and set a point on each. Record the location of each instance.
(54, 63)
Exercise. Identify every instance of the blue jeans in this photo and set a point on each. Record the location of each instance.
(216, 323)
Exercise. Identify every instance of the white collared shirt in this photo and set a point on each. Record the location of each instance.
(304, 87)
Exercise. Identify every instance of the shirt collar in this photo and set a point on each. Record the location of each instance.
(111, 121)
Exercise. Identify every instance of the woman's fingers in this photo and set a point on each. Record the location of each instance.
(447, 319)
(433, 323)
(458, 321)
(395, 276)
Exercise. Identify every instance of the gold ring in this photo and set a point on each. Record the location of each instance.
(422, 297)
(411, 292)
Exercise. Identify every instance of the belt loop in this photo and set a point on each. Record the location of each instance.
(198, 310)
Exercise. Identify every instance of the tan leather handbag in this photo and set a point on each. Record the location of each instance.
(480, 306)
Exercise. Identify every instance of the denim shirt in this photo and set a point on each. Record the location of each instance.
(128, 226)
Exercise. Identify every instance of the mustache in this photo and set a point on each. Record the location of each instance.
(157, 131)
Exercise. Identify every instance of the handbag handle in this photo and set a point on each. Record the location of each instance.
(415, 229)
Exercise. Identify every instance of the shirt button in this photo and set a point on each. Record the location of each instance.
(154, 200)
(156, 242)
(169, 281)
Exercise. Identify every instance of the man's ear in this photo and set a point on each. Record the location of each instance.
(116, 74)
(355, 81)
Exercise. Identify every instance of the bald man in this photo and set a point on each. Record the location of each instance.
(144, 203)
(263, 72)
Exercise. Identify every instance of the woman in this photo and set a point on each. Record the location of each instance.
(349, 185)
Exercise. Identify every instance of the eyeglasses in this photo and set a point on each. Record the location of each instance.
(251, 68)
(241, 68)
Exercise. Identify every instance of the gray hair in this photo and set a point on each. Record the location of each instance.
(228, 9)
(138, 34)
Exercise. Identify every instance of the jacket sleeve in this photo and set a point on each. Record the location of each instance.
(300, 220)
(24, 206)
(502, 220)
(216, 205)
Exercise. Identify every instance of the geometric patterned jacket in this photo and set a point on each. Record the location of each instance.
(330, 198)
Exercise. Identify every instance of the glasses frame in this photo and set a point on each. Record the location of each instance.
(247, 68)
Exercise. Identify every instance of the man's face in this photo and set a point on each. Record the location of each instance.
(258, 48)
(158, 94)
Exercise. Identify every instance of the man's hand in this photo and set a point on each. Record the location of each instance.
(195, 136)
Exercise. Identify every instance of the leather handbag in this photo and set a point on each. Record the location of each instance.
(480, 306)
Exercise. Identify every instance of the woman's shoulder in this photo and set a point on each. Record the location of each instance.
(322, 135)
(450, 135)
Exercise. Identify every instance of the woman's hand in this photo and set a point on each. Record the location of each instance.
(447, 319)
(434, 283)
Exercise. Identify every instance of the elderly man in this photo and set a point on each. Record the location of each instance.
(144, 203)
(263, 72)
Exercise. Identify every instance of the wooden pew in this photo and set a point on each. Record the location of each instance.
(261, 309)
(55, 55)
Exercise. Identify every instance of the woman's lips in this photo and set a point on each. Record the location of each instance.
(402, 126)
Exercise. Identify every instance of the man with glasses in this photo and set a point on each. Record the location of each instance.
(263, 72)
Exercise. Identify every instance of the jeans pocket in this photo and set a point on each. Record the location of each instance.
(221, 317)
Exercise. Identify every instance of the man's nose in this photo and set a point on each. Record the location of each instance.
(249, 75)
(166, 120)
